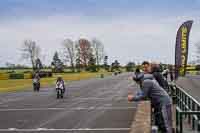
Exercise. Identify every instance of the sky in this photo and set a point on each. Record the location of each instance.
(131, 30)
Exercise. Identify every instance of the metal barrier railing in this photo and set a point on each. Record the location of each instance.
(187, 109)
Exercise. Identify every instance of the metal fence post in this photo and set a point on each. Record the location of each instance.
(177, 121)
(181, 123)
(198, 116)
(189, 105)
(198, 128)
(193, 119)
(184, 104)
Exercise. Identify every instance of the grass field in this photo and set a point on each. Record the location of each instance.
(23, 84)
(23, 70)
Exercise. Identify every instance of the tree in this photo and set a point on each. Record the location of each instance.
(106, 66)
(69, 52)
(57, 64)
(38, 64)
(98, 50)
(130, 66)
(10, 65)
(30, 51)
(92, 64)
(55, 57)
(78, 58)
(78, 64)
(84, 51)
(115, 66)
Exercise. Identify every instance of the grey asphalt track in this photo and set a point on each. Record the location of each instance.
(89, 106)
(191, 84)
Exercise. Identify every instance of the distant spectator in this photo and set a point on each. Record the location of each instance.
(137, 71)
(165, 73)
(155, 70)
(171, 72)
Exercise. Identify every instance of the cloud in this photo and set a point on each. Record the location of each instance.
(126, 38)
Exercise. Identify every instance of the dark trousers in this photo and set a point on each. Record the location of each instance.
(163, 118)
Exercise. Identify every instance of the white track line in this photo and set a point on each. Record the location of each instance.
(94, 98)
(79, 129)
(78, 108)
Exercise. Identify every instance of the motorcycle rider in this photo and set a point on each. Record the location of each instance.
(36, 82)
(60, 84)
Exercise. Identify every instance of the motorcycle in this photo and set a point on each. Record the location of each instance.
(60, 90)
(36, 85)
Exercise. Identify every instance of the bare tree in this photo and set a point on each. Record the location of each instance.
(98, 50)
(69, 52)
(84, 51)
(30, 51)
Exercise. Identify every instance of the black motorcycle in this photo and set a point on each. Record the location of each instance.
(36, 85)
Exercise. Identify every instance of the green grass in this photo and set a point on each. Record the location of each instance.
(192, 72)
(20, 70)
(23, 84)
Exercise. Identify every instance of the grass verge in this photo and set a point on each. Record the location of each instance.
(23, 84)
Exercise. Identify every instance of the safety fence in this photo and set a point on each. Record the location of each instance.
(187, 109)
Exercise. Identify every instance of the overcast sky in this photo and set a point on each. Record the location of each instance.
(131, 30)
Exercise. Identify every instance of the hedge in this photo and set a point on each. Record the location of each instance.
(44, 74)
(16, 76)
(28, 75)
(6, 76)
(197, 67)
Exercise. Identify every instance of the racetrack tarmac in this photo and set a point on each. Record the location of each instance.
(89, 106)
(191, 84)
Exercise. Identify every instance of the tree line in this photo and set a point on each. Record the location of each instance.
(80, 55)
